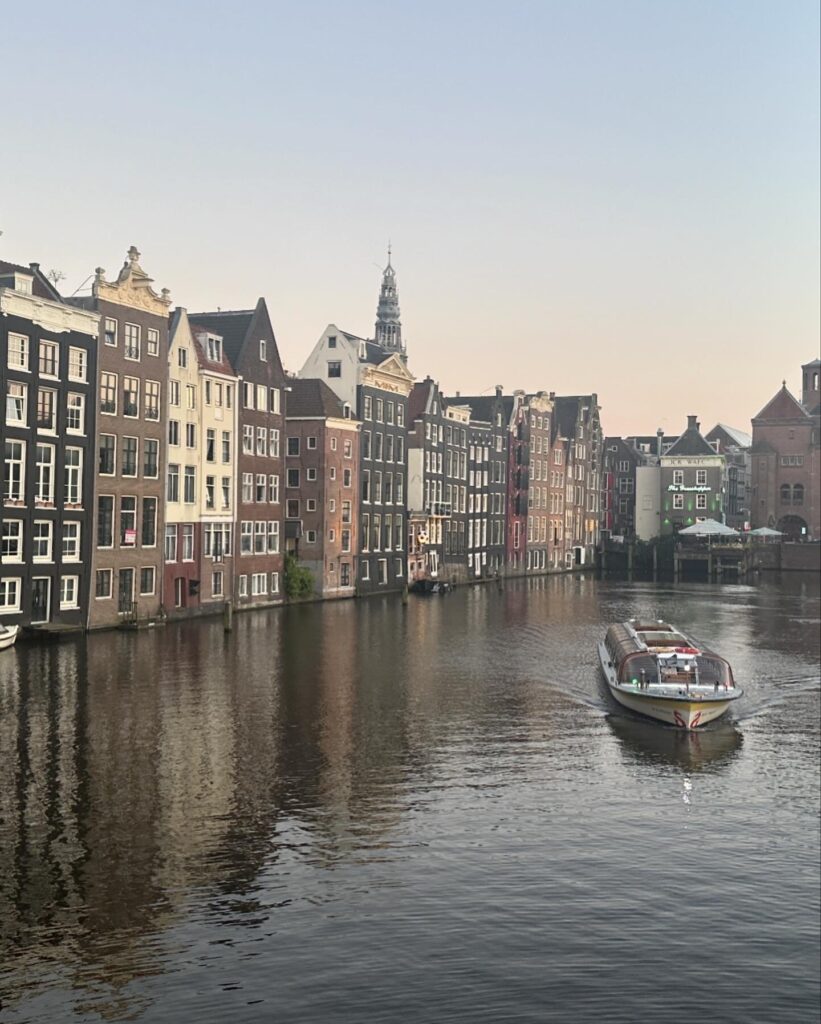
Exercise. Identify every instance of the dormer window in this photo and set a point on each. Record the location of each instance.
(213, 348)
(332, 341)
(263, 351)
(23, 283)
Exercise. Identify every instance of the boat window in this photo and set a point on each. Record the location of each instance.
(714, 670)
(633, 667)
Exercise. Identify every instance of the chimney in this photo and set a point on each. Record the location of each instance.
(499, 390)
(458, 394)
(659, 442)
(552, 394)
(692, 423)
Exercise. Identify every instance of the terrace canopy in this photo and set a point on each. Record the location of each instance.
(709, 528)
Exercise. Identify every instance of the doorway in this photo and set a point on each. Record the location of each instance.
(40, 599)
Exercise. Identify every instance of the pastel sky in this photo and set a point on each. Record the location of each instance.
(620, 197)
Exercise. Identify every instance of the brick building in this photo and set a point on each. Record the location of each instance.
(246, 338)
(322, 487)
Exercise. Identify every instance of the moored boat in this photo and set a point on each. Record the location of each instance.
(8, 634)
(656, 670)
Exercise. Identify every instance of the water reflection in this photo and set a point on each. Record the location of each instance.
(697, 750)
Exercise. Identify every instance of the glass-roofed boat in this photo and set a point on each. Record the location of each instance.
(656, 670)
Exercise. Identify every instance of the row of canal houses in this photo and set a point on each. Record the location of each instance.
(159, 462)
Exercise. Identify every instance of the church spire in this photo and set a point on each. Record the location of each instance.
(388, 324)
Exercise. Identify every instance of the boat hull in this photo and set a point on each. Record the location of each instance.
(8, 636)
(684, 714)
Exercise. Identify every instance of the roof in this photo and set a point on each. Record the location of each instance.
(312, 397)
(566, 414)
(782, 406)
(418, 398)
(374, 353)
(232, 326)
(738, 437)
(691, 442)
(41, 286)
(483, 407)
(222, 365)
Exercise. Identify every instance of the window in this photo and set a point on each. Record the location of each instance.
(400, 415)
(273, 537)
(701, 477)
(261, 437)
(210, 445)
(69, 590)
(9, 595)
(273, 443)
(226, 446)
(188, 542)
(292, 446)
(226, 492)
(48, 359)
(190, 396)
(310, 473)
(331, 341)
(152, 400)
(174, 432)
(174, 393)
(274, 582)
(334, 368)
(247, 487)
(170, 545)
(261, 397)
(345, 574)
(147, 580)
(44, 474)
(248, 395)
(259, 584)
(213, 348)
(173, 483)
(75, 413)
(41, 540)
(292, 508)
(379, 408)
(346, 512)
(110, 332)
(243, 586)
(792, 460)
(346, 540)
(105, 521)
(151, 454)
(189, 486)
(152, 348)
(182, 357)
(701, 501)
(798, 494)
(292, 478)
(261, 488)
(246, 535)
(678, 501)
(310, 504)
(210, 492)
(149, 530)
(128, 521)
(273, 489)
(263, 352)
(366, 407)
(217, 583)
(397, 563)
(248, 439)
(131, 397)
(128, 456)
(310, 537)
(208, 392)
(678, 477)
(11, 541)
(131, 345)
(16, 397)
(77, 364)
(18, 358)
(47, 410)
(382, 571)
(364, 570)
(346, 478)
(102, 583)
(73, 481)
(311, 442)
(260, 538)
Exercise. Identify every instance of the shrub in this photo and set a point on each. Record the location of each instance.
(299, 581)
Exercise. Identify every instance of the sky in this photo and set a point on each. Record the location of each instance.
(610, 197)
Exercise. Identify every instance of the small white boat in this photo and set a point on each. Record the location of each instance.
(8, 634)
(656, 670)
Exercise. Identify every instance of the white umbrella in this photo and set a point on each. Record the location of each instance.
(709, 528)
(765, 531)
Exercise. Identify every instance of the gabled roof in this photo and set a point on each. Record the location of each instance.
(691, 443)
(419, 398)
(782, 406)
(234, 327)
(374, 353)
(312, 397)
(482, 406)
(566, 415)
(221, 365)
(734, 435)
(40, 286)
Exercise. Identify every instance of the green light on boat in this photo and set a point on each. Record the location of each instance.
(635, 682)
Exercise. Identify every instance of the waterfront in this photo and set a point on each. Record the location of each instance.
(361, 810)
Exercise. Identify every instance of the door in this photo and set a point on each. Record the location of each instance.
(126, 595)
(40, 598)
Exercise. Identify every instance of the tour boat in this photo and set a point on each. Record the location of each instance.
(8, 634)
(654, 669)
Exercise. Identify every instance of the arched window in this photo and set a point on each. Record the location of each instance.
(798, 494)
(785, 494)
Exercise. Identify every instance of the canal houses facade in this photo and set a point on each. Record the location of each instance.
(577, 456)
(518, 477)
(621, 460)
(246, 340)
(539, 412)
(201, 483)
(47, 372)
(456, 546)
(127, 560)
(691, 479)
(734, 445)
(322, 487)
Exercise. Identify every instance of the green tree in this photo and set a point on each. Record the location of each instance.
(299, 581)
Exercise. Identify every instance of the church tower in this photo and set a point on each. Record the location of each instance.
(388, 325)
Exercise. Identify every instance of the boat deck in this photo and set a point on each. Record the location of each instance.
(675, 689)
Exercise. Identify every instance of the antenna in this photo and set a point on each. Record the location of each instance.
(81, 285)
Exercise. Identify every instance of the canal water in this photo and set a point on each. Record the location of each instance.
(369, 812)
